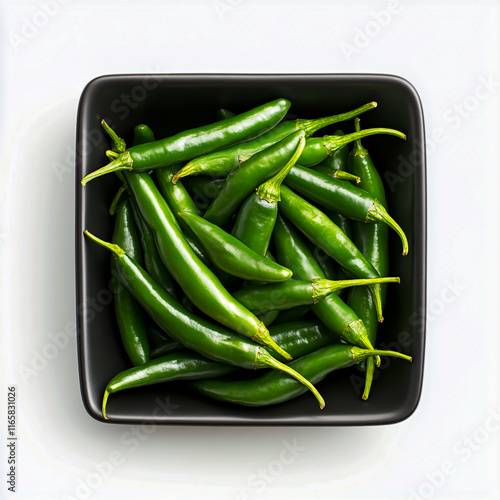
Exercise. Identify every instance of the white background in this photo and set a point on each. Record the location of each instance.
(447, 50)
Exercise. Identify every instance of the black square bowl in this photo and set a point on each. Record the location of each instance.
(170, 103)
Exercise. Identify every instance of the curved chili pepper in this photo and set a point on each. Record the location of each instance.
(373, 241)
(212, 341)
(256, 219)
(333, 312)
(292, 293)
(342, 197)
(199, 283)
(178, 200)
(273, 388)
(319, 148)
(196, 142)
(300, 339)
(143, 135)
(231, 255)
(250, 174)
(152, 260)
(129, 316)
(221, 163)
(325, 234)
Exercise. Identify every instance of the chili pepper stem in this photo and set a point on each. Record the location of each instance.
(119, 145)
(110, 246)
(112, 155)
(270, 190)
(322, 287)
(346, 176)
(378, 213)
(334, 142)
(186, 170)
(312, 126)
(104, 403)
(358, 149)
(360, 354)
(355, 333)
(370, 368)
(263, 338)
(267, 360)
(117, 199)
(377, 299)
(123, 162)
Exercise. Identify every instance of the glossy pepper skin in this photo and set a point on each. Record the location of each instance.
(192, 143)
(333, 312)
(221, 163)
(129, 315)
(231, 255)
(273, 388)
(143, 135)
(300, 338)
(210, 340)
(179, 200)
(257, 217)
(373, 241)
(337, 161)
(152, 260)
(249, 175)
(342, 197)
(318, 228)
(200, 284)
(266, 297)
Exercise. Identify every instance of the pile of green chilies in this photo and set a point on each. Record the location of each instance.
(223, 230)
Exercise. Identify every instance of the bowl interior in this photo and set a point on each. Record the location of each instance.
(171, 103)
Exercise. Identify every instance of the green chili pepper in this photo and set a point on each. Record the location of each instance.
(178, 200)
(257, 216)
(300, 339)
(212, 341)
(231, 255)
(196, 142)
(143, 135)
(328, 236)
(152, 260)
(319, 148)
(342, 197)
(221, 163)
(273, 388)
(250, 174)
(330, 166)
(335, 314)
(197, 281)
(131, 322)
(292, 293)
(373, 241)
